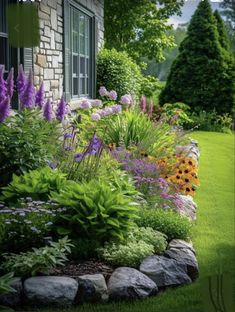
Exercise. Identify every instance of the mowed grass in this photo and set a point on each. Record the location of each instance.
(213, 234)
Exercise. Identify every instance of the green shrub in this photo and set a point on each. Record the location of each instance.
(128, 254)
(140, 243)
(27, 142)
(94, 211)
(36, 184)
(39, 260)
(168, 222)
(176, 114)
(5, 282)
(149, 86)
(117, 71)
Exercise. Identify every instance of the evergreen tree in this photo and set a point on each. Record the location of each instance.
(202, 75)
(223, 38)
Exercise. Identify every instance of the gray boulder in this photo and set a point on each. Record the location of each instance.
(185, 256)
(92, 288)
(165, 272)
(50, 290)
(189, 207)
(13, 299)
(180, 244)
(128, 283)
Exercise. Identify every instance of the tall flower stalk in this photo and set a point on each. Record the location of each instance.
(5, 109)
(3, 86)
(47, 111)
(39, 98)
(21, 80)
(61, 110)
(28, 96)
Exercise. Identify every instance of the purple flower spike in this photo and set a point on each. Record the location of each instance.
(5, 109)
(39, 98)
(10, 83)
(143, 104)
(21, 79)
(112, 95)
(78, 157)
(61, 110)
(103, 91)
(47, 111)
(3, 86)
(27, 97)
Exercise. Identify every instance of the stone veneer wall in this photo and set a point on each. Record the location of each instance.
(48, 57)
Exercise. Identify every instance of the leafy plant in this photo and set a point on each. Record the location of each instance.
(149, 86)
(36, 184)
(27, 142)
(117, 71)
(140, 243)
(168, 222)
(94, 210)
(5, 282)
(176, 114)
(39, 260)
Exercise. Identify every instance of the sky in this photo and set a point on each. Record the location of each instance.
(188, 10)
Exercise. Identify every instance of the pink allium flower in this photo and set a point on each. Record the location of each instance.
(126, 99)
(3, 85)
(39, 98)
(116, 109)
(10, 83)
(5, 109)
(108, 111)
(112, 95)
(103, 91)
(95, 116)
(96, 103)
(61, 110)
(143, 104)
(85, 104)
(101, 112)
(47, 111)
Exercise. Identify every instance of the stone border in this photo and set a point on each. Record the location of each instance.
(175, 267)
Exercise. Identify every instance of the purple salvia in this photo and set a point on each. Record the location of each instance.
(143, 104)
(27, 97)
(5, 109)
(39, 98)
(10, 83)
(21, 80)
(61, 110)
(3, 87)
(47, 110)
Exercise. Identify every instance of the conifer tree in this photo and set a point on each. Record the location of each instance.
(202, 75)
(223, 38)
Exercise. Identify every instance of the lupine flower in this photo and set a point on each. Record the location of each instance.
(95, 116)
(112, 95)
(61, 110)
(103, 91)
(85, 104)
(3, 85)
(27, 96)
(96, 103)
(47, 110)
(5, 109)
(143, 104)
(10, 83)
(39, 98)
(116, 109)
(126, 99)
(21, 80)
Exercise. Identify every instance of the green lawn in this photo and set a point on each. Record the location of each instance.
(213, 235)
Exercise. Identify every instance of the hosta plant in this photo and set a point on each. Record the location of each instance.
(94, 210)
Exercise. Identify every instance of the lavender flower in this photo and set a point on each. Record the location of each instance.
(39, 98)
(27, 96)
(85, 104)
(103, 91)
(68, 135)
(97, 103)
(94, 146)
(78, 157)
(143, 104)
(61, 110)
(21, 80)
(95, 116)
(47, 111)
(126, 99)
(116, 109)
(10, 83)
(112, 95)
(3, 85)
(5, 109)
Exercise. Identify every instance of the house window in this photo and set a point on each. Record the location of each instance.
(4, 48)
(81, 53)
(80, 46)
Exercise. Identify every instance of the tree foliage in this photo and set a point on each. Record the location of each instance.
(202, 75)
(139, 26)
(229, 14)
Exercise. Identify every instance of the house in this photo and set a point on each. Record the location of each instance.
(71, 32)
